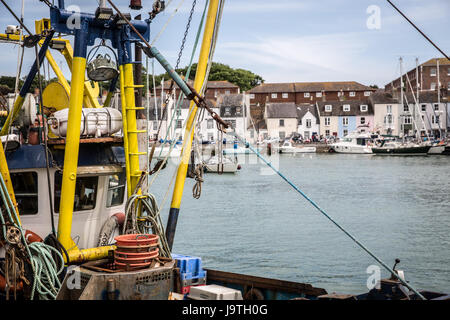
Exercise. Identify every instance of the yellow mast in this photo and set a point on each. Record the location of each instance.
(189, 131)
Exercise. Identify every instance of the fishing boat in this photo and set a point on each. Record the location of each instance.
(77, 217)
(288, 148)
(353, 143)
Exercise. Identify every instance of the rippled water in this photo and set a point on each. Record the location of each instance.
(399, 207)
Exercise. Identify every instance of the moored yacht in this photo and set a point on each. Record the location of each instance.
(287, 147)
(353, 143)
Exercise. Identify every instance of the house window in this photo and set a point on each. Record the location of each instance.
(346, 107)
(85, 192)
(407, 120)
(227, 91)
(116, 189)
(448, 84)
(367, 93)
(345, 121)
(424, 107)
(179, 124)
(306, 134)
(155, 125)
(328, 108)
(252, 96)
(327, 133)
(318, 94)
(233, 123)
(306, 95)
(252, 133)
(388, 108)
(25, 186)
(274, 95)
(448, 71)
(281, 122)
(340, 94)
(210, 124)
(285, 95)
(308, 123)
(406, 108)
(433, 86)
(352, 94)
(327, 121)
(210, 136)
(436, 107)
(433, 72)
(282, 135)
(364, 108)
(363, 120)
(179, 112)
(238, 111)
(227, 111)
(345, 132)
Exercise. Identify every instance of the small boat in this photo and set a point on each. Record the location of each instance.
(353, 143)
(288, 148)
(163, 150)
(237, 150)
(223, 165)
(398, 148)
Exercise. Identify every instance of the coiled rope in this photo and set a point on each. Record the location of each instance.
(45, 268)
(315, 205)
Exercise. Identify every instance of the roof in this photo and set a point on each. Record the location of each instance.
(281, 110)
(304, 108)
(432, 62)
(33, 156)
(310, 87)
(273, 87)
(231, 100)
(382, 98)
(337, 108)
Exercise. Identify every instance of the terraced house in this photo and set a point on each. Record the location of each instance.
(339, 118)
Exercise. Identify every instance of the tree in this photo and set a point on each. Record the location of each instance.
(244, 79)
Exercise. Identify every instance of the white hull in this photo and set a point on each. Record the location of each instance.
(344, 148)
(294, 150)
(436, 149)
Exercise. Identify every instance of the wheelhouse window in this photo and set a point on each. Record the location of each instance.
(85, 192)
(25, 185)
(116, 189)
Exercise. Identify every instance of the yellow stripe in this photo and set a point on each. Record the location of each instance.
(198, 83)
(71, 154)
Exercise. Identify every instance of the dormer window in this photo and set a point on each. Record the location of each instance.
(346, 107)
(352, 93)
(328, 107)
(227, 111)
(238, 109)
(363, 107)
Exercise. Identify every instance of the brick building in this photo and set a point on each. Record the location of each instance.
(427, 78)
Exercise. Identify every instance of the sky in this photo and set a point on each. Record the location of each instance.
(284, 40)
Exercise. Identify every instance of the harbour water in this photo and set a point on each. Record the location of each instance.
(255, 224)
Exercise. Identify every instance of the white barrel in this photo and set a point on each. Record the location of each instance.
(97, 122)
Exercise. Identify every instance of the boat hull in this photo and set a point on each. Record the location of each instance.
(351, 149)
(436, 150)
(297, 150)
(227, 168)
(407, 151)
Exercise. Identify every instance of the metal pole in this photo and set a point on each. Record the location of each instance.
(189, 134)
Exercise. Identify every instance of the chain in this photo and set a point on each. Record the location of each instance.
(185, 34)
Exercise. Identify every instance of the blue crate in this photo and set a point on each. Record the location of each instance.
(190, 267)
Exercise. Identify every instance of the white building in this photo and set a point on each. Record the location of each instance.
(308, 120)
(235, 108)
(387, 111)
(281, 119)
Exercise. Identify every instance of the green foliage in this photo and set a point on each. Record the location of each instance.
(8, 83)
(244, 79)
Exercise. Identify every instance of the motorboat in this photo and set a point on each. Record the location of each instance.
(353, 143)
(221, 164)
(288, 148)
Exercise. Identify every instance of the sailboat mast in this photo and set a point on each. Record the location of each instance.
(401, 95)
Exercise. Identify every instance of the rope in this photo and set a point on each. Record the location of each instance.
(315, 205)
(45, 269)
(167, 23)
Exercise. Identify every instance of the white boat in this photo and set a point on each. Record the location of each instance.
(288, 148)
(238, 150)
(225, 165)
(353, 143)
(163, 150)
